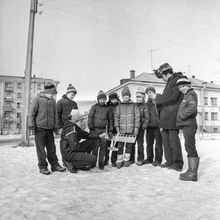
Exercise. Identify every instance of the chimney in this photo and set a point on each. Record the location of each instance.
(132, 74)
(193, 76)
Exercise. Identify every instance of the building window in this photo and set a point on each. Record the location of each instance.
(205, 100)
(8, 84)
(214, 101)
(18, 115)
(19, 95)
(38, 86)
(206, 116)
(19, 85)
(214, 116)
(18, 125)
(215, 130)
(8, 104)
(18, 105)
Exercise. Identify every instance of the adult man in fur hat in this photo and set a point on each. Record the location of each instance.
(168, 104)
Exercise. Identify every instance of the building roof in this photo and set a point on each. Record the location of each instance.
(150, 78)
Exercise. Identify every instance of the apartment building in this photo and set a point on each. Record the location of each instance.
(11, 100)
(208, 97)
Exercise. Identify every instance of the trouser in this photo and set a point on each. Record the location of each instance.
(127, 154)
(61, 148)
(172, 147)
(153, 134)
(113, 155)
(44, 138)
(140, 145)
(189, 133)
(99, 146)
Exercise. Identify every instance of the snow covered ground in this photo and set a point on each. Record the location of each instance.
(144, 192)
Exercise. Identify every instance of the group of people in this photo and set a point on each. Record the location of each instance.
(159, 119)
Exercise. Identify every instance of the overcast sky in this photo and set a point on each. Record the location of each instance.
(94, 43)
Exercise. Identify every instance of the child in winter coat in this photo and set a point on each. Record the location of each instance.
(43, 120)
(186, 120)
(100, 120)
(64, 108)
(144, 118)
(127, 121)
(153, 132)
(75, 150)
(112, 104)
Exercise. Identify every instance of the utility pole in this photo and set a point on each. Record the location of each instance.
(151, 58)
(28, 74)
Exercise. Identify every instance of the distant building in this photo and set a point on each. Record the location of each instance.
(11, 100)
(208, 97)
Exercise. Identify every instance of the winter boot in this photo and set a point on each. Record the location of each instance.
(120, 165)
(101, 166)
(191, 175)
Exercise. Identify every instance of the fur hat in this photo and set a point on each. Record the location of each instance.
(113, 95)
(50, 88)
(150, 88)
(162, 69)
(183, 81)
(70, 89)
(101, 95)
(140, 91)
(126, 92)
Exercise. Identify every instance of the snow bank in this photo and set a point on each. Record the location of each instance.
(135, 192)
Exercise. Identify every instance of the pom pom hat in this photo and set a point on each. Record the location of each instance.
(70, 89)
(50, 88)
(183, 81)
(126, 92)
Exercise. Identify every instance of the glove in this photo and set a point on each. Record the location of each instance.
(56, 131)
(136, 131)
(110, 134)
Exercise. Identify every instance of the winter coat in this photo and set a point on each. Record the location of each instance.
(64, 107)
(99, 117)
(168, 103)
(43, 113)
(144, 115)
(153, 114)
(72, 136)
(188, 109)
(112, 109)
(127, 118)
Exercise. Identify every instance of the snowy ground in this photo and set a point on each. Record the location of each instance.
(145, 192)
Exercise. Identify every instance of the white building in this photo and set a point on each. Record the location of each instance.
(208, 97)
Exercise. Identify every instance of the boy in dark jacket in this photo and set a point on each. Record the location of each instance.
(127, 122)
(64, 108)
(74, 151)
(100, 120)
(186, 120)
(153, 132)
(43, 120)
(112, 104)
(144, 118)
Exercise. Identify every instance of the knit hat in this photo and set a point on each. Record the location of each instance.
(70, 89)
(183, 81)
(50, 88)
(140, 91)
(162, 69)
(114, 95)
(126, 92)
(150, 88)
(101, 95)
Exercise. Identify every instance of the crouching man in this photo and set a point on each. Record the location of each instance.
(75, 151)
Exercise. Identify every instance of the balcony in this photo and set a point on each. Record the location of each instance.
(8, 108)
(8, 119)
(8, 99)
(9, 89)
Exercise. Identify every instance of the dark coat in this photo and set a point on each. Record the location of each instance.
(64, 107)
(127, 118)
(99, 117)
(168, 103)
(112, 109)
(43, 113)
(153, 114)
(144, 115)
(72, 136)
(188, 109)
